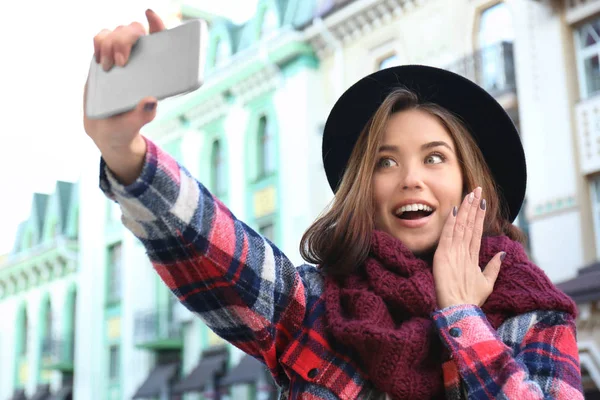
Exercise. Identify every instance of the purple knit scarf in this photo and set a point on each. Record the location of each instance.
(383, 311)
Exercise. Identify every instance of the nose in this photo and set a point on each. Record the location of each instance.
(411, 178)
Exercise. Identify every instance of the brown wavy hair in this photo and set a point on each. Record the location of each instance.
(339, 240)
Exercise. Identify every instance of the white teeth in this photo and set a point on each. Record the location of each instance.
(413, 207)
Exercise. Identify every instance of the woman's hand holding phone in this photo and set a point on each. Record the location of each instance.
(118, 137)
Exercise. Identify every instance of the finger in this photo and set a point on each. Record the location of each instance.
(154, 22)
(127, 37)
(134, 120)
(493, 268)
(478, 229)
(98, 39)
(106, 50)
(461, 219)
(473, 199)
(448, 229)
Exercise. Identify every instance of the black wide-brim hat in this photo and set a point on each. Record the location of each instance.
(487, 121)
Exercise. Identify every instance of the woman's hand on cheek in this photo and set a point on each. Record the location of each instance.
(458, 277)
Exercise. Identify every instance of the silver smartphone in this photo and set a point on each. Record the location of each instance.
(163, 64)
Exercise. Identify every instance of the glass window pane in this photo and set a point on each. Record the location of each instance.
(25, 335)
(592, 74)
(495, 26)
(113, 362)
(114, 273)
(588, 38)
(269, 147)
(218, 168)
(266, 147)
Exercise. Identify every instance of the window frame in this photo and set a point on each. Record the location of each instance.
(582, 54)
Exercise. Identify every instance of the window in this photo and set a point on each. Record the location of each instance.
(114, 364)
(266, 147)
(595, 193)
(523, 224)
(71, 333)
(495, 27)
(389, 61)
(25, 334)
(587, 38)
(267, 230)
(114, 273)
(49, 327)
(218, 179)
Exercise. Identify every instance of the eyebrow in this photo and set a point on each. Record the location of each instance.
(426, 146)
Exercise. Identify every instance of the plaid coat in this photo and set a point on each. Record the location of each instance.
(246, 290)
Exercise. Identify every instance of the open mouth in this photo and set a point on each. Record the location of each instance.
(414, 211)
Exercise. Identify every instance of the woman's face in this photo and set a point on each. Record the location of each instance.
(417, 180)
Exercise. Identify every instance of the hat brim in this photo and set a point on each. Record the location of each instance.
(488, 122)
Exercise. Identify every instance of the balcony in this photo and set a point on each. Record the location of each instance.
(578, 10)
(57, 354)
(157, 331)
(588, 134)
(492, 68)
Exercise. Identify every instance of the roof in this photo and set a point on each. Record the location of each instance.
(295, 13)
(585, 287)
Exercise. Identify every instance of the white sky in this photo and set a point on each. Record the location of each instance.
(45, 50)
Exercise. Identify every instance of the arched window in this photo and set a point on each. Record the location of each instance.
(495, 26)
(495, 30)
(48, 322)
(266, 147)
(25, 338)
(218, 179)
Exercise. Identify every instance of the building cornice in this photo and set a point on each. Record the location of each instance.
(356, 20)
(256, 70)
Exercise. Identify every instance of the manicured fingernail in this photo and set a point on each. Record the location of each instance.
(478, 191)
(454, 211)
(149, 106)
(119, 59)
(502, 256)
(471, 197)
(483, 205)
(105, 64)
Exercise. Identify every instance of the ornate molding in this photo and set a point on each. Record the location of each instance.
(209, 110)
(551, 207)
(264, 81)
(355, 21)
(36, 266)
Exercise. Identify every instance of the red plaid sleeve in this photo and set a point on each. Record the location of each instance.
(240, 284)
(532, 356)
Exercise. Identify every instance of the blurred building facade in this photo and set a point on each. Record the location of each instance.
(252, 135)
(38, 299)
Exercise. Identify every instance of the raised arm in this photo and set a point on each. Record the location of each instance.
(239, 283)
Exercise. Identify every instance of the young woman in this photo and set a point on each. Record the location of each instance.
(422, 288)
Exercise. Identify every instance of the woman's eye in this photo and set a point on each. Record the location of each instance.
(386, 163)
(434, 159)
